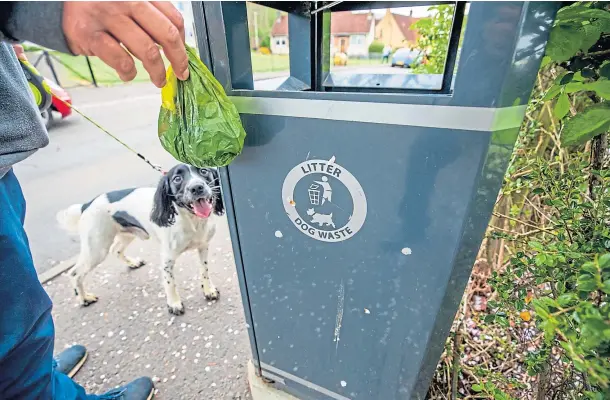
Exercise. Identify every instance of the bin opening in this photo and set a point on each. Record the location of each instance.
(269, 46)
(383, 48)
(345, 47)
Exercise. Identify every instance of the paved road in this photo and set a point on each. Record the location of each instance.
(200, 355)
(129, 333)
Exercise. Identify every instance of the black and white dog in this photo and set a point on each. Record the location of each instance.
(179, 214)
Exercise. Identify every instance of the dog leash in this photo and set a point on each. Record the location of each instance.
(38, 86)
(140, 155)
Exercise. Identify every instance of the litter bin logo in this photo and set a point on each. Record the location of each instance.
(324, 200)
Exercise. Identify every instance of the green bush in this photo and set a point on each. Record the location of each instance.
(546, 255)
(555, 210)
(376, 47)
(266, 42)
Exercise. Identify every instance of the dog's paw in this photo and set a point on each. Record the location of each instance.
(213, 294)
(176, 310)
(89, 299)
(137, 263)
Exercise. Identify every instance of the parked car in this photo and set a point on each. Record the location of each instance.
(58, 93)
(406, 58)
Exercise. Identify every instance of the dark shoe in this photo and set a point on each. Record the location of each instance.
(139, 389)
(70, 360)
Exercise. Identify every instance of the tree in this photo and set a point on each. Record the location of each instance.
(265, 18)
(433, 38)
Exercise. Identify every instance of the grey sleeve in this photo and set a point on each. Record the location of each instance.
(39, 22)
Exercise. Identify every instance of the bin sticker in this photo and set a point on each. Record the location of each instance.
(324, 200)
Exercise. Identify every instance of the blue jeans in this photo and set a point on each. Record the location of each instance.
(27, 333)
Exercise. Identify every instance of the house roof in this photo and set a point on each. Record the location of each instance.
(404, 23)
(350, 23)
(341, 22)
(280, 26)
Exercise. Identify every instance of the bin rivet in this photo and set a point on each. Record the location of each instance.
(406, 251)
(343, 383)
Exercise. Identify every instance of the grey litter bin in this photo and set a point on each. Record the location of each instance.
(360, 200)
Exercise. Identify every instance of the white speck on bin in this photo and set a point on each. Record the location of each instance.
(279, 234)
(406, 251)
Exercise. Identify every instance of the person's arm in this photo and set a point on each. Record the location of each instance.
(38, 22)
(108, 30)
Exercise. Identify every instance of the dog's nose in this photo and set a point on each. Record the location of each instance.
(197, 190)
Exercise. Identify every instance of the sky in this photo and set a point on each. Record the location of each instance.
(418, 12)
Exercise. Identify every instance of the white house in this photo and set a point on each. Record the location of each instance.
(351, 33)
(279, 35)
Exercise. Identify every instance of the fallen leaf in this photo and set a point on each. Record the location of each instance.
(529, 298)
(526, 316)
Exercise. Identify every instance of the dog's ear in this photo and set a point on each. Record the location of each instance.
(219, 205)
(163, 211)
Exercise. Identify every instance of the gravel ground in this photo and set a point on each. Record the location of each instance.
(129, 333)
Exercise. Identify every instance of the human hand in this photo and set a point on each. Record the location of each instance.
(99, 29)
(19, 52)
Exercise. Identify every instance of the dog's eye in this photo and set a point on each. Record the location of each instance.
(177, 179)
(204, 172)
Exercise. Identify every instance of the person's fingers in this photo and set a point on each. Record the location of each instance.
(164, 32)
(172, 14)
(110, 52)
(140, 44)
(19, 52)
(98, 28)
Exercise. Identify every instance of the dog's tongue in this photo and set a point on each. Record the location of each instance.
(202, 208)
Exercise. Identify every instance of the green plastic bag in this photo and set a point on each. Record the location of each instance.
(198, 124)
